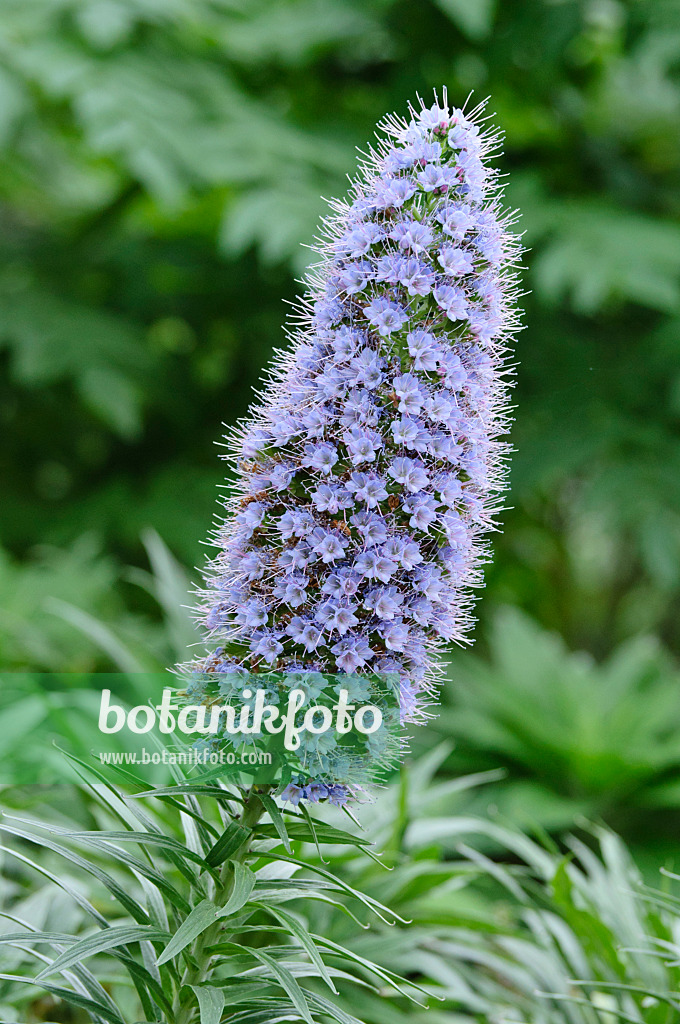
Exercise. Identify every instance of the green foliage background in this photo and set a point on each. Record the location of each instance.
(161, 162)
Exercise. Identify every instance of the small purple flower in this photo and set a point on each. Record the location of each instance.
(474, 172)
(430, 583)
(309, 637)
(482, 327)
(433, 177)
(464, 136)
(423, 349)
(351, 653)
(281, 474)
(455, 528)
(295, 524)
(440, 408)
(450, 489)
(373, 565)
(367, 369)
(296, 627)
(455, 261)
(354, 278)
(328, 312)
(408, 391)
(394, 192)
(292, 591)
(452, 300)
(252, 565)
(282, 432)
(388, 269)
(360, 408)
(409, 473)
(405, 431)
(422, 510)
(405, 551)
(253, 443)
(338, 618)
(343, 583)
(384, 602)
(252, 614)
(361, 445)
(328, 546)
(453, 371)
(344, 342)
(330, 383)
(456, 221)
(329, 498)
(367, 487)
(490, 245)
(337, 795)
(395, 634)
(425, 151)
(360, 239)
(434, 116)
(267, 646)
(293, 794)
(252, 516)
(296, 557)
(421, 611)
(386, 315)
(371, 527)
(417, 278)
(321, 456)
(413, 235)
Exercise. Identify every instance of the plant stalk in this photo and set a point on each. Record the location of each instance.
(183, 1012)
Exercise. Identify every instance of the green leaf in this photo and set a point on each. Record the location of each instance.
(123, 857)
(117, 890)
(244, 882)
(143, 980)
(384, 913)
(77, 896)
(332, 1010)
(296, 928)
(233, 837)
(300, 889)
(166, 843)
(200, 918)
(390, 977)
(288, 983)
(211, 1003)
(92, 1006)
(109, 938)
(193, 789)
(207, 913)
(314, 832)
(274, 813)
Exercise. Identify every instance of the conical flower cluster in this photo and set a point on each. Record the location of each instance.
(370, 471)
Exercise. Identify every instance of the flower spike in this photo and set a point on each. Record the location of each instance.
(372, 468)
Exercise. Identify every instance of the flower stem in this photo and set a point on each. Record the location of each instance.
(184, 1010)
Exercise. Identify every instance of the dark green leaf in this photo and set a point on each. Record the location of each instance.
(233, 837)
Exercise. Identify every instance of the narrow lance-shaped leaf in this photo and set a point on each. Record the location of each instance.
(207, 913)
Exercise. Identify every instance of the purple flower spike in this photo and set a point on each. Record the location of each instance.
(372, 469)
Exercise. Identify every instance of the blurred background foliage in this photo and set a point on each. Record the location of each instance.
(161, 162)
